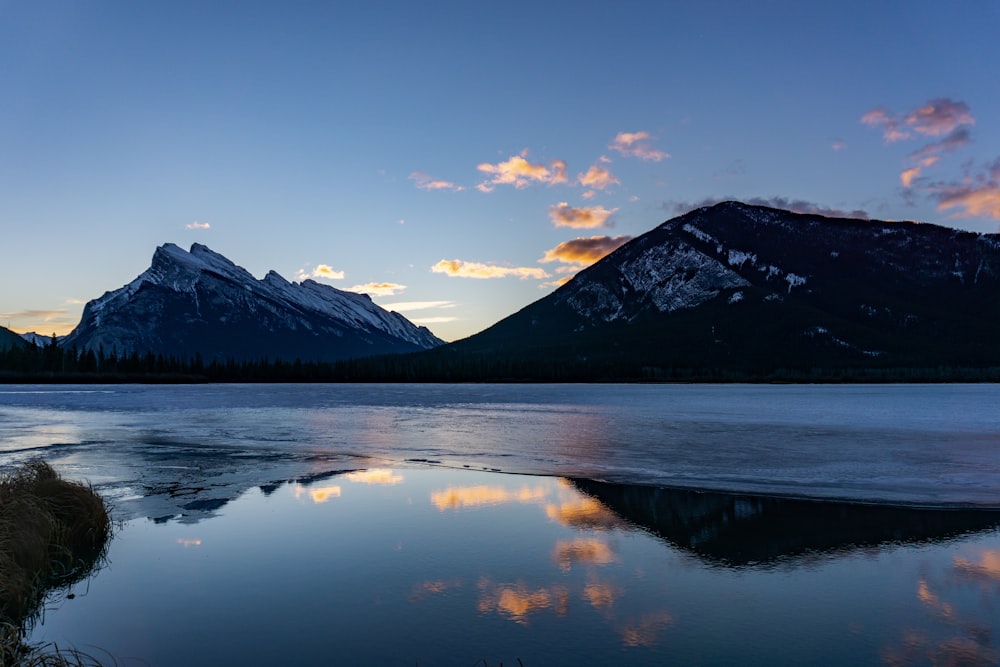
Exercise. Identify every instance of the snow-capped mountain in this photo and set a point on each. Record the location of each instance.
(743, 287)
(200, 302)
(38, 339)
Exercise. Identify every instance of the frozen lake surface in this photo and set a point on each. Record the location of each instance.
(148, 445)
(374, 524)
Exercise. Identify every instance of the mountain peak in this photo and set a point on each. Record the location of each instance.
(202, 302)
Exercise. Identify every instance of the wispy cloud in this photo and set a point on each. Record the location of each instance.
(839, 145)
(794, 205)
(45, 322)
(198, 225)
(941, 117)
(936, 118)
(637, 144)
(377, 289)
(424, 321)
(457, 268)
(597, 177)
(584, 251)
(521, 173)
(890, 124)
(976, 195)
(425, 181)
(324, 271)
(410, 306)
(587, 217)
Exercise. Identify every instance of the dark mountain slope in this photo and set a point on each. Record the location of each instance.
(753, 290)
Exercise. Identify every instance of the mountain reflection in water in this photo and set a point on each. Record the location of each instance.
(436, 566)
(739, 530)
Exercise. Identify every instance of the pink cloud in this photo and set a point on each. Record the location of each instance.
(939, 117)
(637, 144)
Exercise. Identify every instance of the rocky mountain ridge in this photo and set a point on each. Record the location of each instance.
(201, 303)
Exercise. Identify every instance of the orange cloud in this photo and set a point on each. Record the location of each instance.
(424, 181)
(584, 251)
(636, 144)
(987, 567)
(455, 497)
(377, 289)
(972, 201)
(319, 494)
(375, 476)
(586, 217)
(517, 601)
(600, 594)
(457, 268)
(597, 177)
(324, 271)
(582, 550)
(585, 512)
(520, 173)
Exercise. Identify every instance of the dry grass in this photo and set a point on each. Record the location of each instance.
(53, 533)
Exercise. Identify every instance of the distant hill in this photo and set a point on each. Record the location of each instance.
(9, 339)
(754, 291)
(201, 303)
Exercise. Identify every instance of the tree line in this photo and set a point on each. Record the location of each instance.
(52, 363)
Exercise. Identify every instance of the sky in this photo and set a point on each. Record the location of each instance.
(459, 160)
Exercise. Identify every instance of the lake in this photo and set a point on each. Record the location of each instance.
(555, 524)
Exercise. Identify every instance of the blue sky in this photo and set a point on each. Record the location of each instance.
(458, 159)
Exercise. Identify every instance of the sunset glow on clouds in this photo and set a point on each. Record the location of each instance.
(377, 289)
(972, 196)
(585, 251)
(324, 271)
(521, 173)
(424, 181)
(290, 173)
(586, 217)
(597, 177)
(457, 268)
(637, 144)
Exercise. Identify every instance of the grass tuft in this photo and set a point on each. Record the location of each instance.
(53, 533)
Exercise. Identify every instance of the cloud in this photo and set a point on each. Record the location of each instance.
(324, 271)
(975, 196)
(588, 217)
(197, 225)
(558, 282)
(457, 268)
(424, 181)
(409, 306)
(636, 144)
(45, 322)
(957, 139)
(939, 117)
(891, 130)
(597, 177)
(793, 205)
(520, 173)
(584, 251)
(424, 321)
(377, 289)
(839, 145)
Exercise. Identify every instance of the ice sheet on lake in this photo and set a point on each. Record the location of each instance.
(176, 450)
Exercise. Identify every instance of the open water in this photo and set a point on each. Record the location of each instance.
(651, 524)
